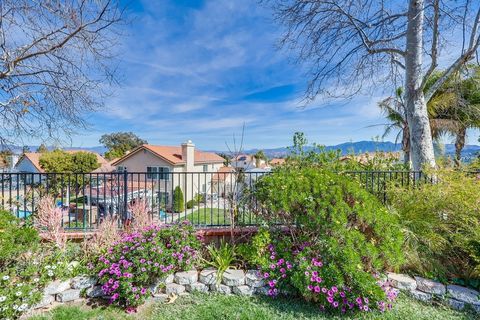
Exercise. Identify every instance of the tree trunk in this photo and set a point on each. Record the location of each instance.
(406, 147)
(417, 117)
(459, 144)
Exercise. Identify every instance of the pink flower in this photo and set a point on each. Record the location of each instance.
(317, 289)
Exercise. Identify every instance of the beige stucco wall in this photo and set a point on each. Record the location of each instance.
(191, 183)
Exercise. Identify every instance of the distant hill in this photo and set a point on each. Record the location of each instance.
(366, 146)
(469, 151)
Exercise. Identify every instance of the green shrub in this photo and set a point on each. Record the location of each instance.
(16, 238)
(221, 258)
(191, 204)
(337, 221)
(178, 200)
(441, 222)
(26, 266)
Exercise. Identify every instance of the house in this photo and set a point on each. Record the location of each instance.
(172, 166)
(223, 182)
(277, 162)
(29, 162)
(247, 162)
(367, 157)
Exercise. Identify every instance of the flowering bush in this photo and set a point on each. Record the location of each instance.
(139, 259)
(105, 236)
(141, 216)
(333, 220)
(321, 282)
(26, 266)
(48, 220)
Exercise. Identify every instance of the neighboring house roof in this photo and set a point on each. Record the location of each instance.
(173, 155)
(223, 173)
(367, 156)
(106, 167)
(277, 161)
(243, 157)
(34, 158)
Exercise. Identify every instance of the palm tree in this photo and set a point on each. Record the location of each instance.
(260, 155)
(394, 111)
(452, 110)
(456, 106)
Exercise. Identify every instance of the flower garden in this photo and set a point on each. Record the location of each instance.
(324, 243)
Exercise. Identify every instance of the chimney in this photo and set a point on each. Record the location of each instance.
(188, 154)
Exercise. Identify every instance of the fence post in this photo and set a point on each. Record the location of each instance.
(125, 191)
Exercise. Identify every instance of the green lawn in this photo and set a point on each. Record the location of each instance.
(207, 216)
(214, 216)
(204, 306)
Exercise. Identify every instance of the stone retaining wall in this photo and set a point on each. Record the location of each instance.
(249, 283)
(181, 283)
(425, 290)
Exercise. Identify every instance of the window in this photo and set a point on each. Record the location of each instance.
(155, 173)
(121, 168)
(204, 187)
(205, 168)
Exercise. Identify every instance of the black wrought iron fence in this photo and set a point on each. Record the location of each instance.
(203, 198)
(210, 199)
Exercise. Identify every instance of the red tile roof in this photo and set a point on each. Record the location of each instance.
(173, 154)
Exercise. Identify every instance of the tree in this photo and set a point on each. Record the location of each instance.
(65, 162)
(259, 156)
(178, 199)
(42, 148)
(350, 45)
(225, 156)
(453, 109)
(119, 143)
(55, 64)
(59, 161)
(394, 111)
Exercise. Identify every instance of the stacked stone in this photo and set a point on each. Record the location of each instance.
(456, 297)
(65, 291)
(232, 282)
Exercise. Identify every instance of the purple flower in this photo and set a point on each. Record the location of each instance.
(266, 275)
(335, 304)
(330, 299)
(317, 289)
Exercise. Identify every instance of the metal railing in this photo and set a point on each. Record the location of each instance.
(209, 198)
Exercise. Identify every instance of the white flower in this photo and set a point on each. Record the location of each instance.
(23, 307)
(54, 267)
(50, 273)
(18, 293)
(3, 298)
(5, 277)
(36, 279)
(35, 262)
(19, 284)
(15, 307)
(47, 267)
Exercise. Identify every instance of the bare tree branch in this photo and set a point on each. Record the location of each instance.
(56, 60)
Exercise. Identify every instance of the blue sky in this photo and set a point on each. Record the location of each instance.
(199, 70)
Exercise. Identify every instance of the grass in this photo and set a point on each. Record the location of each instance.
(207, 216)
(215, 216)
(206, 307)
